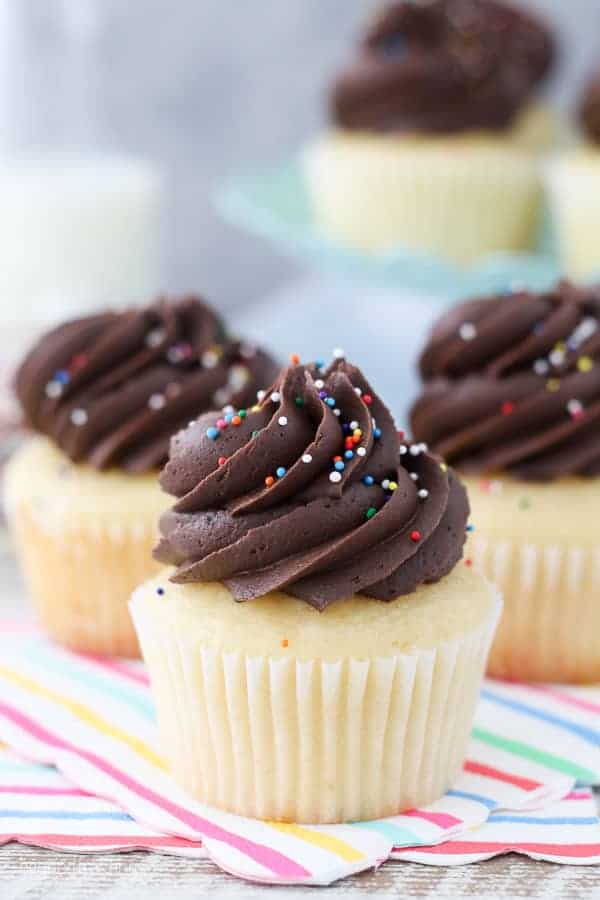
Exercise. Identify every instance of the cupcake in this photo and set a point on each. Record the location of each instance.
(574, 187)
(104, 394)
(315, 649)
(512, 399)
(435, 141)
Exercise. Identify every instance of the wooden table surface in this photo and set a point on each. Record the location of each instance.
(27, 873)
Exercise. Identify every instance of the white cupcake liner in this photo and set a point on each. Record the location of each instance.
(550, 626)
(574, 188)
(458, 199)
(308, 740)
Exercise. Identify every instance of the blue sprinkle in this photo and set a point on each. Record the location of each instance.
(62, 376)
(349, 454)
(160, 591)
(339, 466)
(368, 480)
(322, 394)
(470, 528)
(319, 364)
(345, 428)
(212, 433)
(330, 401)
(377, 433)
(228, 417)
(280, 472)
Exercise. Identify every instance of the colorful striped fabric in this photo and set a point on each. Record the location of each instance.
(87, 727)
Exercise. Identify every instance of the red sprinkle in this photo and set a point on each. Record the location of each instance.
(221, 423)
(415, 536)
(222, 460)
(401, 435)
(294, 359)
(507, 407)
(269, 480)
(285, 642)
(349, 443)
(468, 562)
(366, 398)
(236, 420)
(78, 362)
(337, 459)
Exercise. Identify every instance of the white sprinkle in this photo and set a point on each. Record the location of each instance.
(353, 425)
(79, 417)
(337, 412)
(260, 395)
(228, 409)
(361, 451)
(414, 476)
(467, 331)
(53, 389)
(556, 357)
(403, 449)
(156, 401)
(282, 420)
(415, 450)
(385, 483)
(191, 423)
(423, 494)
(209, 359)
(541, 367)
(319, 384)
(307, 458)
(424, 447)
(155, 337)
(338, 353)
(221, 396)
(335, 477)
(574, 408)
(238, 376)
(275, 396)
(358, 392)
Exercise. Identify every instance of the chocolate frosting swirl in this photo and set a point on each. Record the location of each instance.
(442, 67)
(110, 389)
(310, 491)
(512, 383)
(590, 109)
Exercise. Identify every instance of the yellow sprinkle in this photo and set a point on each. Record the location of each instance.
(443, 467)
(561, 346)
(392, 486)
(584, 364)
(254, 408)
(553, 384)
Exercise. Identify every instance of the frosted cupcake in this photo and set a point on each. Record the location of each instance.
(104, 394)
(512, 399)
(574, 184)
(435, 140)
(317, 650)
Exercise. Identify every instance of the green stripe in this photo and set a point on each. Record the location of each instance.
(540, 756)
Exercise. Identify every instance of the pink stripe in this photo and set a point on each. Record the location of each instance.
(117, 668)
(451, 848)
(444, 820)
(579, 795)
(76, 840)
(43, 791)
(277, 863)
(527, 784)
(568, 699)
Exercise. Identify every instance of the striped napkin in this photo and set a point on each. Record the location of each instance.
(83, 773)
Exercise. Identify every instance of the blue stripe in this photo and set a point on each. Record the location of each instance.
(538, 820)
(587, 734)
(477, 798)
(96, 682)
(62, 814)
(400, 837)
(21, 767)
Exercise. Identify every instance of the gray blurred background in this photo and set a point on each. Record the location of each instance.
(205, 88)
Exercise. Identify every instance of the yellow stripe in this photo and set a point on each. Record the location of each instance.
(324, 841)
(85, 715)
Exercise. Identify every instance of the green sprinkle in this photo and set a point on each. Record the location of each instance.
(371, 512)
(524, 503)
(242, 413)
(299, 401)
(255, 432)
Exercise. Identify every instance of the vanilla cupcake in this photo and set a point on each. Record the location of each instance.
(574, 187)
(104, 394)
(316, 652)
(435, 144)
(512, 399)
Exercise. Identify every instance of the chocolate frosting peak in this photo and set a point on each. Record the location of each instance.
(512, 383)
(310, 491)
(590, 109)
(443, 66)
(110, 389)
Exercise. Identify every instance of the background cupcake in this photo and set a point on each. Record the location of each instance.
(434, 145)
(512, 399)
(574, 184)
(343, 687)
(105, 393)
